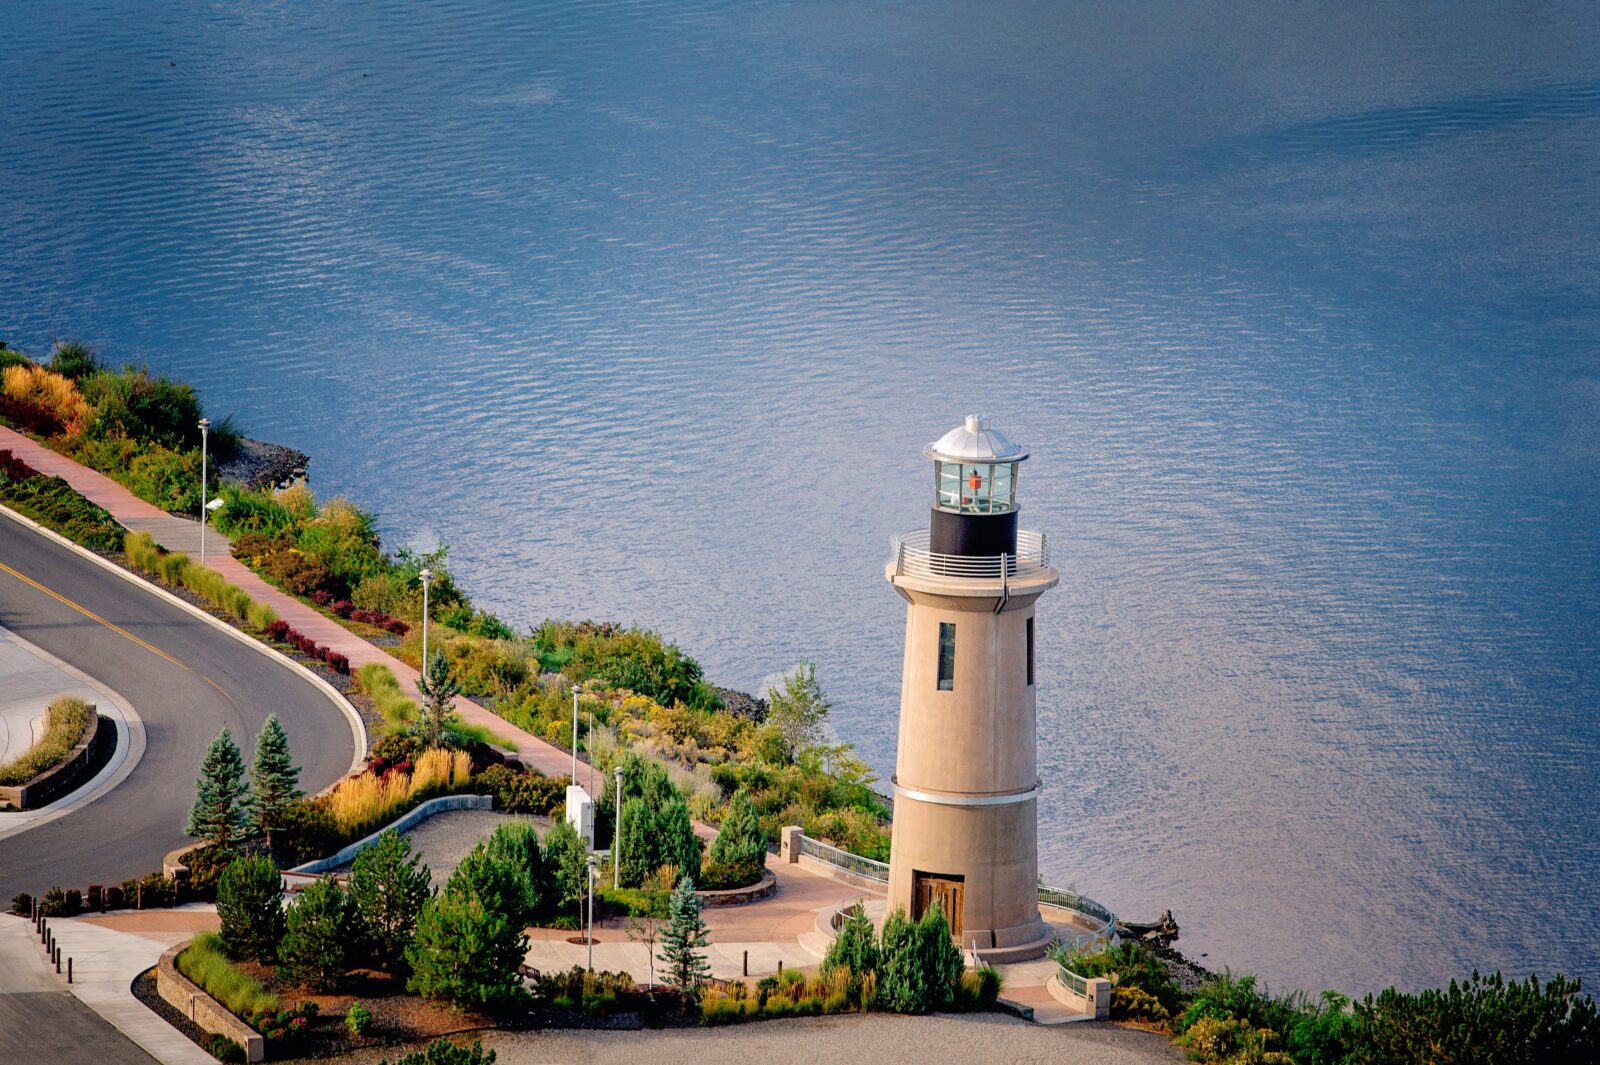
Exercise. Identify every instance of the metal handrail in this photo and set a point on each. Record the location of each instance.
(843, 859)
(912, 556)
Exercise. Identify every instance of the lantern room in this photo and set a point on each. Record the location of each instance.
(974, 490)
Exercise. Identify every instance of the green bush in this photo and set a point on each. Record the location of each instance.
(250, 908)
(1480, 1021)
(205, 961)
(1133, 965)
(920, 964)
(316, 945)
(153, 411)
(222, 1048)
(523, 793)
(169, 479)
(358, 1020)
(464, 952)
(740, 841)
(979, 988)
(388, 887)
(444, 1052)
(503, 887)
(854, 950)
(53, 503)
(65, 722)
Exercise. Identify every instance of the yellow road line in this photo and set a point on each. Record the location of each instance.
(91, 615)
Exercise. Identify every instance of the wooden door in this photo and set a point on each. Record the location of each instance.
(947, 891)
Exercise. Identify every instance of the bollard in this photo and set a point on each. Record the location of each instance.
(69, 970)
(138, 897)
(780, 967)
(58, 960)
(747, 963)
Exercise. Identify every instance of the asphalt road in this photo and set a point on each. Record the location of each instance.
(184, 677)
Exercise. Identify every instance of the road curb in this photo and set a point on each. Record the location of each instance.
(358, 728)
(130, 746)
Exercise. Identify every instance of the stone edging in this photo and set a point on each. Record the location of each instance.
(764, 888)
(185, 996)
(400, 824)
(61, 776)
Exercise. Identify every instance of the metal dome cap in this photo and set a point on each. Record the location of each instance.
(976, 442)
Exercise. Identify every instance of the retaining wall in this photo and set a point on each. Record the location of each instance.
(60, 779)
(187, 997)
(400, 824)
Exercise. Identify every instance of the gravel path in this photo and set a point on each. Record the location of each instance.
(444, 839)
(871, 1040)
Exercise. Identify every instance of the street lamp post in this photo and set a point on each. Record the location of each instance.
(616, 836)
(205, 431)
(589, 864)
(427, 576)
(575, 691)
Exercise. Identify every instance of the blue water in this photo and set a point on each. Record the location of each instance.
(648, 309)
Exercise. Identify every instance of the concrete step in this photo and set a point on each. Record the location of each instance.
(815, 944)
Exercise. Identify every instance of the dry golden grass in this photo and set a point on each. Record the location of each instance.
(364, 803)
(60, 396)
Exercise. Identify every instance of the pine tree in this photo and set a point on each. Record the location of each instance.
(465, 953)
(315, 948)
(855, 949)
(220, 795)
(639, 850)
(274, 779)
(682, 942)
(250, 908)
(739, 839)
(438, 686)
(676, 842)
(566, 865)
(387, 889)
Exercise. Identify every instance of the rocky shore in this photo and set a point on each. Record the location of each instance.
(258, 464)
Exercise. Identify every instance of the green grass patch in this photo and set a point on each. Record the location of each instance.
(205, 961)
(65, 720)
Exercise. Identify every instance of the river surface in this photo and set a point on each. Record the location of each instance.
(648, 310)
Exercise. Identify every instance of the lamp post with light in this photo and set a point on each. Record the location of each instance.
(427, 576)
(616, 835)
(205, 431)
(575, 691)
(589, 865)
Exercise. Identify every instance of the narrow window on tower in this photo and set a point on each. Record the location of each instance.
(1030, 652)
(947, 656)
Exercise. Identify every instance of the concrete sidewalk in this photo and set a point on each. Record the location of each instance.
(32, 683)
(105, 962)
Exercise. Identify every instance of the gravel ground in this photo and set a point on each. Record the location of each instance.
(444, 839)
(871, 1040)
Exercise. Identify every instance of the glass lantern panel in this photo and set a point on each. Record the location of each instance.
(1004, 493)
(948, 475)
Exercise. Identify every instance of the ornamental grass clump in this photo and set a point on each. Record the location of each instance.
(66, 720)
(205, 961)
(363, 803)
(180, 571)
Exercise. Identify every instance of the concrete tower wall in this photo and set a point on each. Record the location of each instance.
(966, 771)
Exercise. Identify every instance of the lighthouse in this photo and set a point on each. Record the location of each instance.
(966, 781)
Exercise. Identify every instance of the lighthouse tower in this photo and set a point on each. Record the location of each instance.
(966, 781)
